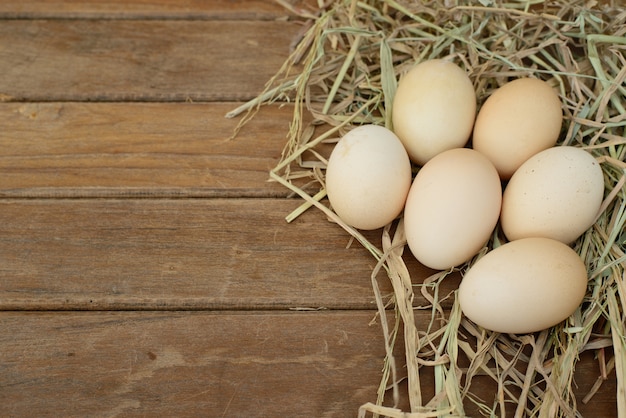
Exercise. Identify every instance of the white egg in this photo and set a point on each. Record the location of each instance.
(524, 286)
(517, 121)
(368, 177)
(433, 109)
(452, 208)
(557, 194)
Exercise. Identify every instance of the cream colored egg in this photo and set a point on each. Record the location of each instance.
(452, 208)
(368, 177)
(517, 121)
(524, 286)
(433, 109)
(556, 194)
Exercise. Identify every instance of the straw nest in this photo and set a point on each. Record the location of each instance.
(343, 72)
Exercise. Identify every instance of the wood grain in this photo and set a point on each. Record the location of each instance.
(140, 9)
(188, 364)
(140, 60)
(179, 254)
(138, 149)
(239, 364)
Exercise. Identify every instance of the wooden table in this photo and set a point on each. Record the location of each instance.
(145, 265)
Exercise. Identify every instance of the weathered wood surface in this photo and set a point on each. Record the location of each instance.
(217, 364)
(179, 254)
(121, 197)
(138, 149)
(140, 60)
(187, 364)
(161, 9)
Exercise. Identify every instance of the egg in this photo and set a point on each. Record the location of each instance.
(433, 109)
(452, 208)
(517, 121)
(557, 194)
(523, 286)
(368, 177)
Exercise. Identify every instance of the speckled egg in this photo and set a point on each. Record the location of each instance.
(556, 194)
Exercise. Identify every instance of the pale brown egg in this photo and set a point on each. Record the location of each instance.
(557, 194)
(524, 286)
(517, 121)
(433, 109)
(452, 208)
(368, 177)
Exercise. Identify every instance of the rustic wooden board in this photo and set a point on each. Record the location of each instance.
(179, 254)
(161, 9)
(254, 364)
(138, 149)
(140, 60)
(188, 364)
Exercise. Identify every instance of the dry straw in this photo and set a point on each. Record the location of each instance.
(343, 72)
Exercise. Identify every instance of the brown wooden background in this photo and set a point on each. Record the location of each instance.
(145, 265)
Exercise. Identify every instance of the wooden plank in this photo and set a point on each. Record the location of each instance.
(188, 364)
(138, 149)
(139, 9)
(179, 254)
(140, 60)
(254, 364)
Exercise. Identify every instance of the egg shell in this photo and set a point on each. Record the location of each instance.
(433, 109)
(452, 208)
(523, 286)
(368, 177)
(518, 120)
(557, 194)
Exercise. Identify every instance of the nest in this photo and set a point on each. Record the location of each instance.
(343, 71)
